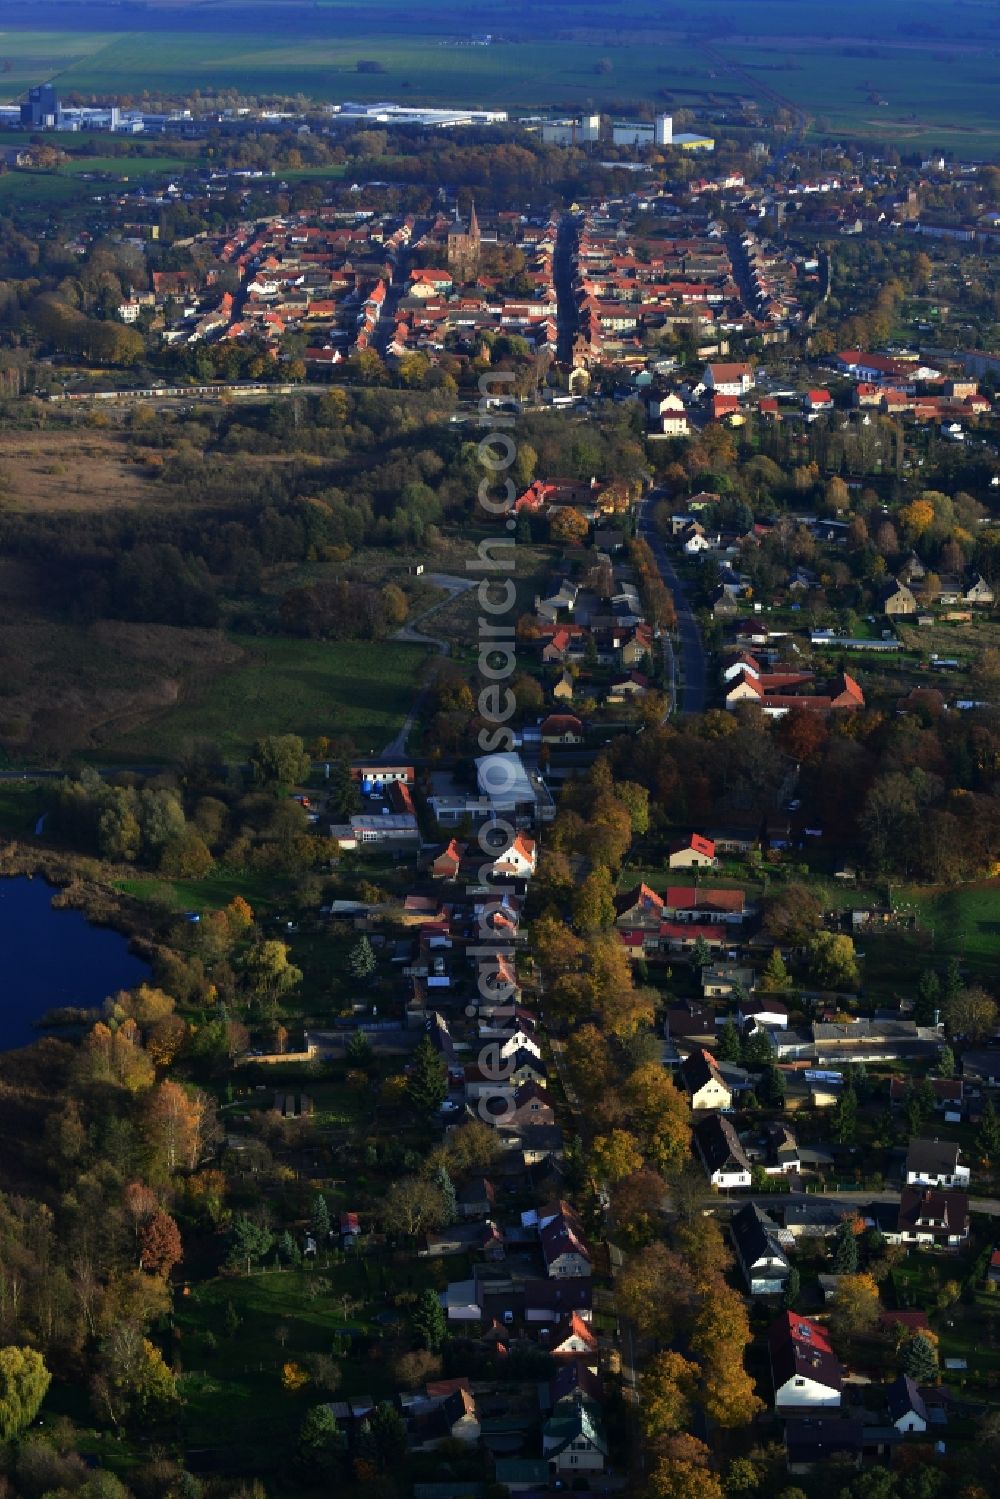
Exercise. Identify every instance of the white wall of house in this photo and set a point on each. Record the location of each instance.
(712, 1095)
(960, 1178)
(805, 1392)
(725, 1178)
(580, 1456)
(910, 1422)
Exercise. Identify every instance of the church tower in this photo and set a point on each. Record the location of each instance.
(463, 247)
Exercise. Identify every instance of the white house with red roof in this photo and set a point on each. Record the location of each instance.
(818, 400)
(561, 728)
(693, 852)
(728, 379)
(519, 860)
(572, 1338)
(805, 1370)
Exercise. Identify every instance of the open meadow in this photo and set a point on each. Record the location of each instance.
(895, 73)
(282, 686)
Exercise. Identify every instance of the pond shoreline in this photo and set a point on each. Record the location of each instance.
(79, 884)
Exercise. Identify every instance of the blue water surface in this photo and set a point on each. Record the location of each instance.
(54, 957)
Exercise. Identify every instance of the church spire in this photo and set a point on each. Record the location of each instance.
(473, 223)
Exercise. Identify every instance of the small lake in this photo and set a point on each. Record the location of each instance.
(54, 957)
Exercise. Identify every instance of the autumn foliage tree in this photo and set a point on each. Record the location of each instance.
(615, 1156)
(160, 1245)
(115, 1057)
(24, 1381)
(683, 1471)
(719, 1338)
(667, 1392)
(174, 1123)
(655, 1291)
(661, 1116)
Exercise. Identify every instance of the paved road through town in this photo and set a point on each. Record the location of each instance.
(692, 652)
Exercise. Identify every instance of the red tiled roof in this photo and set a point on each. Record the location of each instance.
(710, 931)
(680, 896)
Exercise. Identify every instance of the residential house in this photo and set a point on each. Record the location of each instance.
(728, 379)
(639, 907)
(723, 980)
(675, 424)
(781, 1150)
(931, 1218)
(821, 1442)
(949, 1092)
(764, 1013)
(520, 1475)
(804, 1368)
(691, 903)
(912, 570)
(896, 599)
(816, 401)
(764, 1264)
(684, 936)
(695, 541)
(571, 1337)
(561, 728)
(978, 591)
(530, 1105)
(449, 861)
(477, 1198)
(693, 852)
(563, 691)
(689, 1020)
(539, 1144)
(573, 1440)
(704, 1082)
(723, 1157)
(628, 689)
(722, 603)
(511, 1042)
(525, 1067)
(903, 1324)
(561, 643)
(981, 1068)
(465, 1238)
(519, 859)
(638, 920)
(935, 1163)
(564, 1247)
(546, 1301)
(734, 839)
(455, 1418)
(905, 1404)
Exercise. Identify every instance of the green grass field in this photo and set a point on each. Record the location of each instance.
(41, 189)
(421, 69)
(908, 95)
(937, 80)
(261, 889)
(234, 1396)
(964, 922)
(30, 56)
(302, 687)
